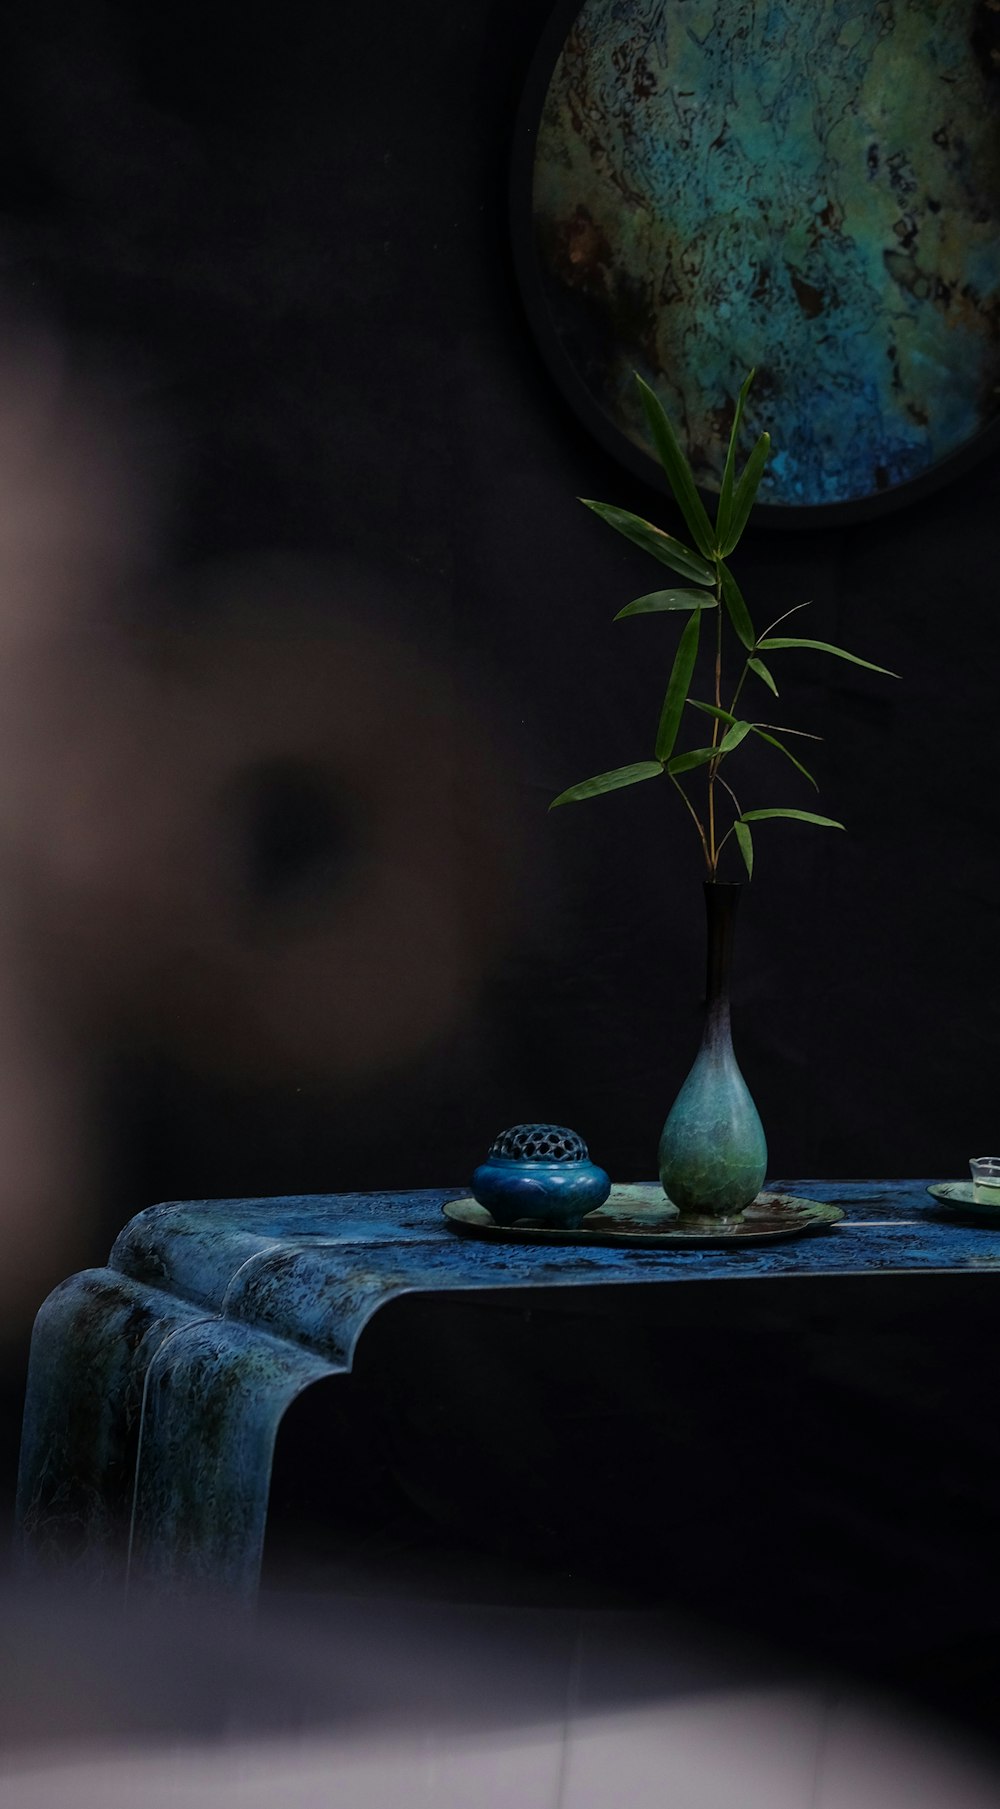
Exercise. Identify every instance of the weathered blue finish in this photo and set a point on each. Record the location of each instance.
(93, 1343)
(157, 1385)
(215, 1394)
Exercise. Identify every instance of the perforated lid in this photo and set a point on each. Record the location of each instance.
(539, 1143)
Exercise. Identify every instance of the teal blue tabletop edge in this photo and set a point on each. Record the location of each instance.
(303, 1265)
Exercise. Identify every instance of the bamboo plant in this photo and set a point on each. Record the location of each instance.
(710, 591)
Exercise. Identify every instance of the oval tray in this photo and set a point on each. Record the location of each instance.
(640, 1216)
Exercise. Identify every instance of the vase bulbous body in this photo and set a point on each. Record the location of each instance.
(713, 1154)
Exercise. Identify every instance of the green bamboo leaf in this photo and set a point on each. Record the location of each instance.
(677, 688)
(664, 547)
(782, 749)
(698, 756)
(667, 599)
(724, 513)
(746, 490)
(622, 775)
(761, 670)
(732, 738)
(800, 816)
(789, 640)
(676, 469)
(739, 614)
(745, 840)
(711, 710)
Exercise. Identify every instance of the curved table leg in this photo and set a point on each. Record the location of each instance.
(215, 1394)
(91, 1347)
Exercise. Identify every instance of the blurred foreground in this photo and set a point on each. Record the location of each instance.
(377, 1702)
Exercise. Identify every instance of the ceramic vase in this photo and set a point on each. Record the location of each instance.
(713, 1155)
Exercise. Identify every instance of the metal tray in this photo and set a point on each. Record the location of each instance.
(639, 1216)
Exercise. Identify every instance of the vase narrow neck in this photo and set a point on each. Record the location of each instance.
(721, 902)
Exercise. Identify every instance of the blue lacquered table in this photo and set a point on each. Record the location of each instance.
(157, 1384)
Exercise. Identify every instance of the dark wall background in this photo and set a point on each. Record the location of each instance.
(273, 242)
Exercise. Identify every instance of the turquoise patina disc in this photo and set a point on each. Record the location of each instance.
(811, 188)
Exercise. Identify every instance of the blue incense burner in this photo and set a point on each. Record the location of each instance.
(540, 1172)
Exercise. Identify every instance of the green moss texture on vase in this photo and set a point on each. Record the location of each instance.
(713, 1153)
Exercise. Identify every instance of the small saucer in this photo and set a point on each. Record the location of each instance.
(956, 1197)
(639, 1215)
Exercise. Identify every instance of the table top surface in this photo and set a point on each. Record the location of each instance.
(314, 1268)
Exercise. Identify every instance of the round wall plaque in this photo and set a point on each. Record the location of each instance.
(809, 187)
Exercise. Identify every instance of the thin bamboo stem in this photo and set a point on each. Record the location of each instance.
(696, 820)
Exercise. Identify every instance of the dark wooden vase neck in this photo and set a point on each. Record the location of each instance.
(721, 903)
